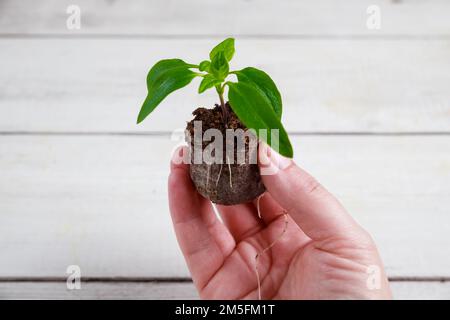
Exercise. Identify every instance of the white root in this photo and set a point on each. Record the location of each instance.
(229, 170)
(218, 176)
(265, 250)
(257, 205)
(208, 171)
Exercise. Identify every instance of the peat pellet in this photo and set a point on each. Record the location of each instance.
(224, 183)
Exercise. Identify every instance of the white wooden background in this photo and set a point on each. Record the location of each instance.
(80, 183)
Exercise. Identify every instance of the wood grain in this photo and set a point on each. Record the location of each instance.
(80, 85)
(234, 17)
(100, 201)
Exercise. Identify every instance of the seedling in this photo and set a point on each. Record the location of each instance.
(253, 102)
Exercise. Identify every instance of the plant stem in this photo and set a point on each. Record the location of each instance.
(219, 90)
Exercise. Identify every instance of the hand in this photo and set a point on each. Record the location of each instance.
(319, 251)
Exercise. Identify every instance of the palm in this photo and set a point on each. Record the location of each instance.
(328, 257)
(237, 278)
(290, 269)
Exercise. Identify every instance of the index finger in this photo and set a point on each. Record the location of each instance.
(203, 239)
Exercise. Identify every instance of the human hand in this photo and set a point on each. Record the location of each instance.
(318, 252)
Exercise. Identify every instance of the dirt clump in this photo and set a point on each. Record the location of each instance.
(229, 182)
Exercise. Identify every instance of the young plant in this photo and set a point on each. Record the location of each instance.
(254, 98)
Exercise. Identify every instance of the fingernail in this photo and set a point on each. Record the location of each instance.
(178, 157)
(270, 162)
(278, 160)
(263, 154)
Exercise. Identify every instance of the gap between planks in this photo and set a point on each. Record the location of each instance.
(182, 279)
(132, 36)
(168, 133)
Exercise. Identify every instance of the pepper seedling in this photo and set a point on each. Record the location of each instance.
(254, 98)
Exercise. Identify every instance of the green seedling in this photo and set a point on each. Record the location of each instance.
(253, 96)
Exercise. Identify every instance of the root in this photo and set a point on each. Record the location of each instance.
(265, 250)
(257, 205)
(229, 170)
(218, 176)
(208, 172)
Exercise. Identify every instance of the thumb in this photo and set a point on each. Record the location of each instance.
(316, 211)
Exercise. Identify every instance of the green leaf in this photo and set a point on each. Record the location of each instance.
(208, 81)
(204, 65)
(163, 78)
(219, 66)
(226, 46)
(263, 82)
(255, 111)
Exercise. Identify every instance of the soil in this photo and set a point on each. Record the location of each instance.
(213, 181)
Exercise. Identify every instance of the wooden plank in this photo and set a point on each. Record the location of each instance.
(421, 290)
(98, 290)
(100, 201)
(200, 17)
(167, 291)
(93, 85)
